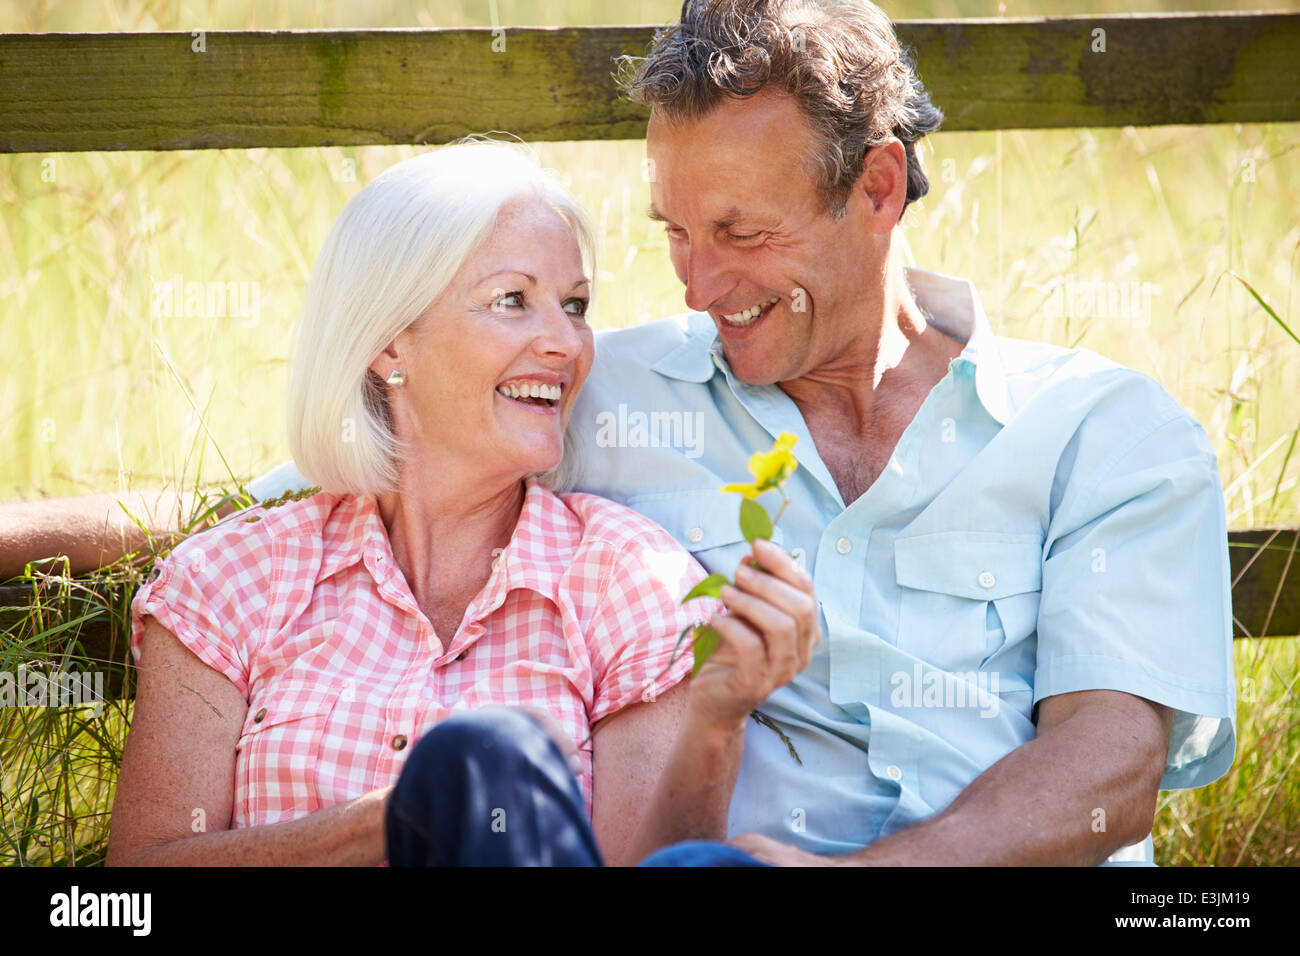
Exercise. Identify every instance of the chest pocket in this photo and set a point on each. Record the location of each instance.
(277, 758)
(967, 595)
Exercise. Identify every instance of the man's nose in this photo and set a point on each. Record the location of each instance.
(705, 276)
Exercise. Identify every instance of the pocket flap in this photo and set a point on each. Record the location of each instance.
(283, 702)
(981, 565)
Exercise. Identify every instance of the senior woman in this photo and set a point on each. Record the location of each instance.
(437, 616)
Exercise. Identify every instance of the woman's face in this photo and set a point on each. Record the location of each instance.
(494, 365)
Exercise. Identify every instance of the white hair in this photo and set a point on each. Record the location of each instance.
(390, 254)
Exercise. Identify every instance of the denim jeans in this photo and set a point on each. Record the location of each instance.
(490, 788)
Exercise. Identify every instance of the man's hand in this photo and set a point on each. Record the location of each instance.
(767, 637)
(766, 850)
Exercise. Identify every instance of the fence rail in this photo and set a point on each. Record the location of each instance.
(1265, 603)
(242, 89)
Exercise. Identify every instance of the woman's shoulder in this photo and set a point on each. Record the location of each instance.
(253, 531)
(606, 521)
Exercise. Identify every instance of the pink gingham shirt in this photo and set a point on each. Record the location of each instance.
(305, 611)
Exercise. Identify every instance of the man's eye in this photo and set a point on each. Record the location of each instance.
(675, 232)
(742, 238)
(580, 304)
(507, 301)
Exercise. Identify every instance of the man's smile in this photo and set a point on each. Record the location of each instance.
(747, 317)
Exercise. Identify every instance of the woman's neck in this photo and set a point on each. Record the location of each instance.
(445, 535)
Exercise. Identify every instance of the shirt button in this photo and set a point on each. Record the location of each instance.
(259, 716)
(844, 546)
(797, 556)
(399, 741)
(695, 535)
(893, 772)
(986, 579)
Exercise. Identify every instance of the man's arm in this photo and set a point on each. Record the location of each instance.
(1084, 787)
(92, 531)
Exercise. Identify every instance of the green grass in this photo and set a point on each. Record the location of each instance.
(98, 393)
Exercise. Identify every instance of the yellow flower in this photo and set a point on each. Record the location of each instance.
(770, 469)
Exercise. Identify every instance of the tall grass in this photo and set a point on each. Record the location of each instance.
(102, 393)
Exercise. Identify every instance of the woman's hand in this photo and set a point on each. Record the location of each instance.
(767, 637)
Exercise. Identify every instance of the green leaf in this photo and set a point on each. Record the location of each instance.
(754, 521)
(706, 642)
(709, 587)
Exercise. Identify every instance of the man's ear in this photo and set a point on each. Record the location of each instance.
(884, 183)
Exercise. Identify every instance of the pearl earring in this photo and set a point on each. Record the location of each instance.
(396, 378)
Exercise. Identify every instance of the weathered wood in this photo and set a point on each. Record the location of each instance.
(1265, 581)
(1265, 603)
(152, 91)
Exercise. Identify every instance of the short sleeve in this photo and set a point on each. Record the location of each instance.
(1136, 592)
(633, 639)
(209, 592)
(277, 481)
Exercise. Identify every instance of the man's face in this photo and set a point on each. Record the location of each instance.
(787, 287)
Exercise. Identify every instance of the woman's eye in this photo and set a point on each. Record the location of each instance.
(509, 300)
(580, 306)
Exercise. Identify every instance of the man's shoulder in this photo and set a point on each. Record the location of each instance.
(642, 347)
(666, 333)
(1059, 381)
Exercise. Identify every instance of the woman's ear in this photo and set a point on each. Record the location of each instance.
(389, 359)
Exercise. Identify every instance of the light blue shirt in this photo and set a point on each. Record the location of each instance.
(1049, 522)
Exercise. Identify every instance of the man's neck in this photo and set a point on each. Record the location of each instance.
(858, 404)
(898, 354)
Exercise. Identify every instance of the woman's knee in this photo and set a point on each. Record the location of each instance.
(497, 735)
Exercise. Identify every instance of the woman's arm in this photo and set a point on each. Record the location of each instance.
(664, 771)
(660, 778)
(175, 794)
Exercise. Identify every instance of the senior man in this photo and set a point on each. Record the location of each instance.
(1019, 550)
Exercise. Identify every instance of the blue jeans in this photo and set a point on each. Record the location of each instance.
(490, 788)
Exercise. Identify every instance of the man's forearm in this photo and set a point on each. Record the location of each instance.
(1072, 796)
(91, 531)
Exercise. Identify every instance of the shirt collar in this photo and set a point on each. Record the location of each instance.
(540, 550)
(950, 304)
(953, 307)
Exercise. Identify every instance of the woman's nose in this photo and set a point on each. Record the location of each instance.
(559, 334)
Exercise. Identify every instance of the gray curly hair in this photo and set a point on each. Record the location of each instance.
(839, 59)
